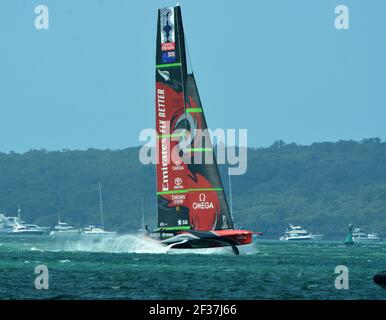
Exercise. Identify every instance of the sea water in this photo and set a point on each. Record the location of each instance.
(129, 267)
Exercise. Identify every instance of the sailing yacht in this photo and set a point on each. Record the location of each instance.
(98, 231)
(142, 230)
(193, 211)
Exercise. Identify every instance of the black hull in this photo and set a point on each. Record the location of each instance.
(26, 234)
(194, 239)
(380, 279)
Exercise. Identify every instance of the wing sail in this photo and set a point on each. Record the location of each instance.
(190, 193)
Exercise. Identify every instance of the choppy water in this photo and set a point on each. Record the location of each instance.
(127, 267)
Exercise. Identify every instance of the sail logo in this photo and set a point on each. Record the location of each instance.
(164, 167)
(178, 166)
(167, 30)
(168, 46)
(178, 183)
(163, 129)
(182, 222)
(202, 204)
(178, 199)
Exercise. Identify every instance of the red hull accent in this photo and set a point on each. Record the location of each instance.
(238, 236)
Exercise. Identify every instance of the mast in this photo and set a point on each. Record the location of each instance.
(101, 204)
(181, 45)
(170, 76)
(142, 216)
(18, 211)
(230, 195)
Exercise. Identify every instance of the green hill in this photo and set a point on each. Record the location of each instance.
(324, 186)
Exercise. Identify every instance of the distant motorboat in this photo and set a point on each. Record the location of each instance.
(27, 229)
(296, 233)
(7, 224)
(15, 226)
(63, 229)
(96, 231)
(359, 236)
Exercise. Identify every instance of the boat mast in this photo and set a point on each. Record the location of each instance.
(182, 51)
(101, 204)
(230, 195)
(18, 211)
(143, 216)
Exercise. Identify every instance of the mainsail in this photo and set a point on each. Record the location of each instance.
(189, 188)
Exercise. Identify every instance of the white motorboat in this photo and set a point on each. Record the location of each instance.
(27, 229)
(359, 236)
(296, 233)
(96, 231)
(63, 229)
(7, 224)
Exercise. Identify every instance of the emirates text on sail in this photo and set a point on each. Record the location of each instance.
(162, 129)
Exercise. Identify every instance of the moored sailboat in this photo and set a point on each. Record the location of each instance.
(192, 208)
(98, 231)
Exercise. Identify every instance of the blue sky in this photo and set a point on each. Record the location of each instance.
(278, 68)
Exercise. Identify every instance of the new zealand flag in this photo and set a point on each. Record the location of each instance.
(169, 57)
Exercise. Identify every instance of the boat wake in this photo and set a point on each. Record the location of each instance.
(116, 244)
(36, 249)
(131, 243)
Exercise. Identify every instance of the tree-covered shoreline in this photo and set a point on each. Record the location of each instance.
(323, 186)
